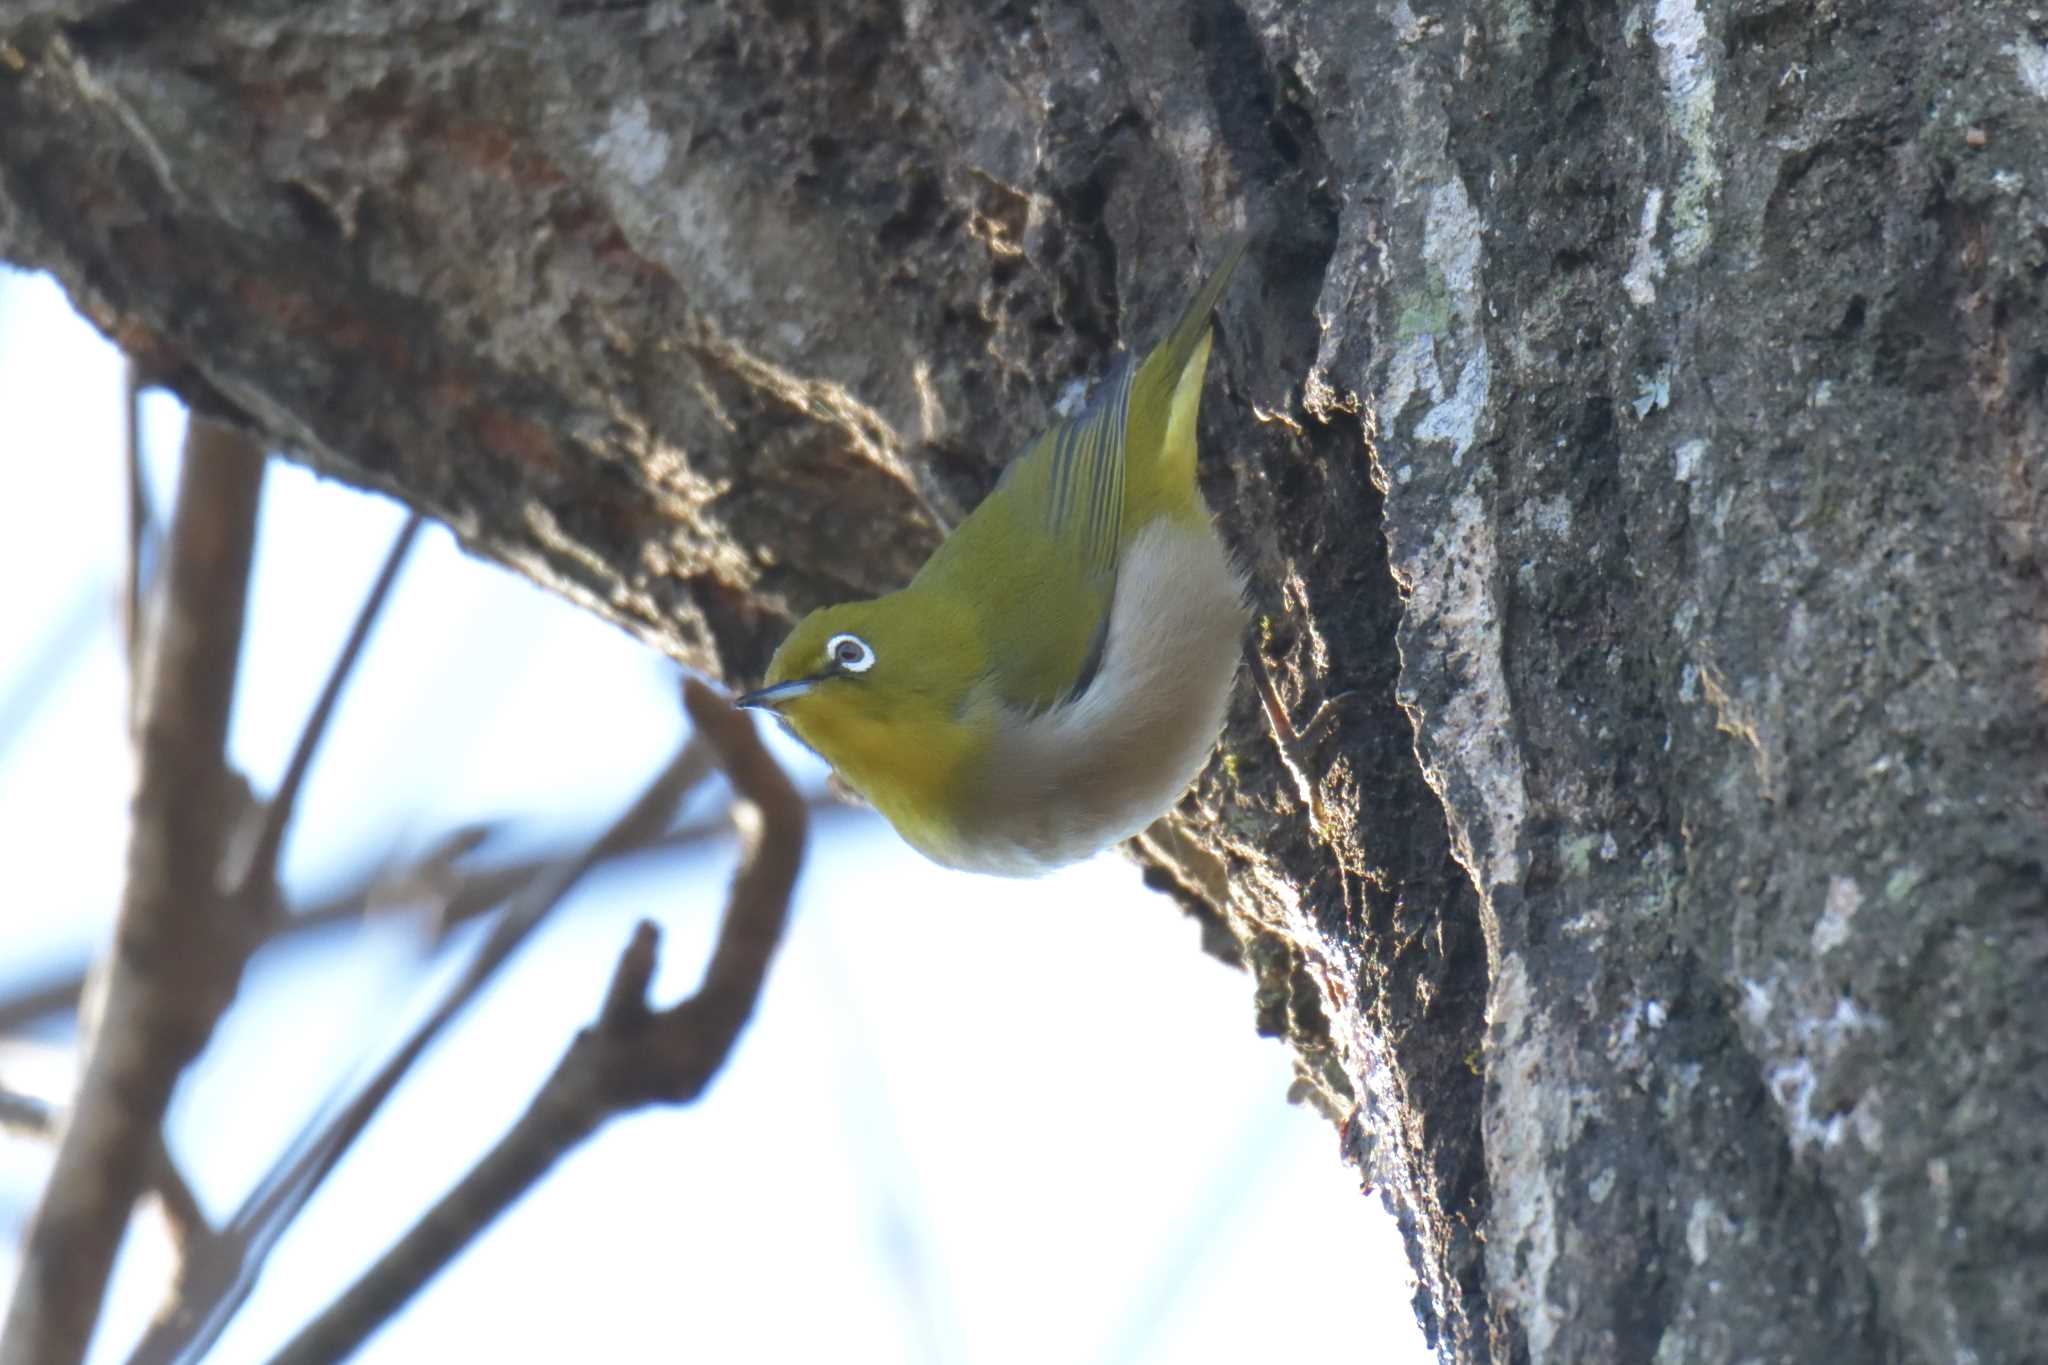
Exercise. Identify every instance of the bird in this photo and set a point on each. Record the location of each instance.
(1057, 673)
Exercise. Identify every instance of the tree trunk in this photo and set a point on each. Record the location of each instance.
(1633, 418)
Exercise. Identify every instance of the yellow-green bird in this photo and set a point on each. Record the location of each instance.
(1056, 674)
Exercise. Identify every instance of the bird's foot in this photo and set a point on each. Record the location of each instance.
(1297, 743)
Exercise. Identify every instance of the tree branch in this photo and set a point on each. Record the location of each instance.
(455, 895)
(259, 879)
(180, 1206)
(26, 1116)
(176, 958)
(137, 581)
(215, 1281)
(629, 1057)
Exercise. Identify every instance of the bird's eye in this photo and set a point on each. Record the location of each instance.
(850, 653)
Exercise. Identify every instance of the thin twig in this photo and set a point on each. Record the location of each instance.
(57, 994)
(138, 517)
(454, 897)
(215, 1282)
(258, 881)
(26, 1116)
(176, 960)
(630, 1056)
(253, 897)
(182, 1214)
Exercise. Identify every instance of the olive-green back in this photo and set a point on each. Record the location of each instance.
(1037, 560)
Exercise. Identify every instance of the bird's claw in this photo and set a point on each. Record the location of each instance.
(1296, 743)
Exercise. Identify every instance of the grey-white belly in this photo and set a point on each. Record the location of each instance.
(1072, 780)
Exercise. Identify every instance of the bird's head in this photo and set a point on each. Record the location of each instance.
(880, 690)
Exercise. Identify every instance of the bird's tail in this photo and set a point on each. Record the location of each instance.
(1166, 398)
(1170, 358)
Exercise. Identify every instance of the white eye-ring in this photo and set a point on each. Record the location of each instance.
(850, 653)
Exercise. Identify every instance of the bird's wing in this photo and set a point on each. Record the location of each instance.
(1036, 563)
(1084, 460)
(1042, 549)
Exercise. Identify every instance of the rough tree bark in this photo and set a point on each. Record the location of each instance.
(1637, 410)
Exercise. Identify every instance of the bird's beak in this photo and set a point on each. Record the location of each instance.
(773, 698)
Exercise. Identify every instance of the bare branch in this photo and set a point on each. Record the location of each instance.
(26, 1116)
(214, 1282)
(454, 895)
(59, 993)
(138, 516)
(629, 1057)
(182, 1214)
(258, 880)
(50, 997)
(176, 959)
(625, 1000)
(29, 1117)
